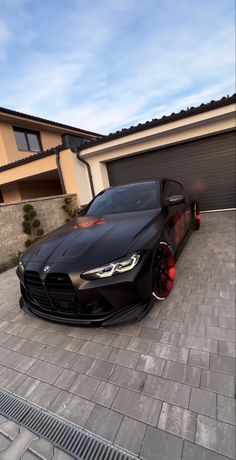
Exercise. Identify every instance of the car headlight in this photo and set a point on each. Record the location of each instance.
(114, 268)
(21, 266)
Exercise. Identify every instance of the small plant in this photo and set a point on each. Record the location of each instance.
(68, 208)
(30, 225)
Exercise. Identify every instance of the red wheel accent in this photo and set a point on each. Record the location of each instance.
(196, 216)
(163, 271)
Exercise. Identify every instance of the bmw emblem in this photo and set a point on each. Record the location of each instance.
(46, 269)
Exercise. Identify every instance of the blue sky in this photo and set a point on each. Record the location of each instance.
(106, 64)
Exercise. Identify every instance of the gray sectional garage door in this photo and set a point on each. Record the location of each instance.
(206, 166)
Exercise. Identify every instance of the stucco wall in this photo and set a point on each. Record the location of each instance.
(9, 150)
(12, 238)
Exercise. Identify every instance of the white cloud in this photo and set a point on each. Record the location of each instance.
(107, 67)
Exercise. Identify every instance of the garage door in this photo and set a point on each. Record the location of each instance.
(205, 166)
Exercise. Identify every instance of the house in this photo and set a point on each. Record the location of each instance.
(195, 146)
(24, 138)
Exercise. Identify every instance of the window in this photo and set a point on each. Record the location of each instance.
(172, 188)
(27, 140)
(126, 198)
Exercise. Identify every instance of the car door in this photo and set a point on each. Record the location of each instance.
(175, 213)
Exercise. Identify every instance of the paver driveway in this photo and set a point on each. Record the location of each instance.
(163, 388)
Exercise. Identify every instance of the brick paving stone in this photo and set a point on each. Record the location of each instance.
(124, 357)
(223, 364)
(178, 421)
(75, 345)
(203, 402)
(17, 448)
(174, 326)
(104, 337)
(130, 435)
(166, 351)
(131, 330)
(4, 442)
(96, 350)
(216, 435)
(159, 445)
(65, 379)
(10, 380)
(105, 394)
(205, 310)
(194, 452)
(220, 333)
(139, 345)
(43, 394)
(167, 390)
(82, 363)
(42, 448)
(172, 338)
(198, 343)
(121, 341)
(196, 329)
(101, 369)
(224, 310)
(27, 387)
(203, 320)
(199, 358)
(150, 364)
(172, 315)
(13, 342)
(104, 423)
(220, 383)
(182, 373)
(149, 333)
(72, 407)
(225, 409)
(227, 349)
(137, 406)
(128, 378)
(46, 372)
(82, 333)
(30, 456)
(227, 322)
(9, 429)
(84, 386)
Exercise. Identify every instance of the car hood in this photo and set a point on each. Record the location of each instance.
(91, 240)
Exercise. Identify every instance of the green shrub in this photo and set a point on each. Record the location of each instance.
(36, 223)
(39, 232)
(28, 243)
(30, 225)
(27, 207)
(32, 214)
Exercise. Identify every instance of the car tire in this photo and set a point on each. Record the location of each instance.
(163, 271)
(196, 216)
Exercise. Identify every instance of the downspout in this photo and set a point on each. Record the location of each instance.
(76, 150)
(57, 152)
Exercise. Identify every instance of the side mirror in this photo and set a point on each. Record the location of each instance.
(80, 211)
(175, 199)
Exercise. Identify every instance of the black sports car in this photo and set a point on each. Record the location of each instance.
(110, 263)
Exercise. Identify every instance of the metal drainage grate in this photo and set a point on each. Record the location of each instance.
(63, 434)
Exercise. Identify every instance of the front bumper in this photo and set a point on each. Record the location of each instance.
(112, 301)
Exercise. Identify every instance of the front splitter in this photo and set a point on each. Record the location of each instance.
(128, 315)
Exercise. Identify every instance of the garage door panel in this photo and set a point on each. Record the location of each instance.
(206, 166)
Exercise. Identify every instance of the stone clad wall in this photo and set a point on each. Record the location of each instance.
(12, 238)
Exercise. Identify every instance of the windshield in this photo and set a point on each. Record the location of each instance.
(126, 198)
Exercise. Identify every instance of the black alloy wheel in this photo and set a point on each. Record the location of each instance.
(163, 271)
